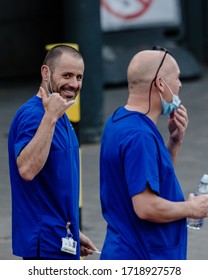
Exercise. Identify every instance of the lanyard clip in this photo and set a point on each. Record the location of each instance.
(69, 234)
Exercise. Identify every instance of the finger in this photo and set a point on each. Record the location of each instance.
(92, 246)
(85, 252)
(42, 92)
(182, 112)
(181, 115)
(88, 251)
(172, 114)
(182, 107)
(182, 122)
(70, 103)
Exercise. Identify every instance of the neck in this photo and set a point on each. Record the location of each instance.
(142, 110)
(133, 108)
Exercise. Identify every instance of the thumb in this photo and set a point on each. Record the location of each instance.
(171, 115)
(42, 93)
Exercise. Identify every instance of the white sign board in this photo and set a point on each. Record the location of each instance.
(131, 14)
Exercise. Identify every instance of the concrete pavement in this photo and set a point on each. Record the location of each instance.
(192, 161)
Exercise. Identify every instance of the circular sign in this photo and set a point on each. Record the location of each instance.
(126, 9)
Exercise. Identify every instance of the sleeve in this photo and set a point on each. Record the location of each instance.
(26, 129)
(141, 163)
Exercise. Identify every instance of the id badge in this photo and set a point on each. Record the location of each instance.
(69, 245)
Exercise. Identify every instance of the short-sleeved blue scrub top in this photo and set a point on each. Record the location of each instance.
(42, 207)
(133, 154)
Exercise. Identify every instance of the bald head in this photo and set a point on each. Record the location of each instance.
(144, 65)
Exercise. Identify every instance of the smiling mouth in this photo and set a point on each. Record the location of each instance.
(69, 95)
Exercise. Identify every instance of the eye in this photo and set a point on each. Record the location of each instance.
(79, 78)
(67, 75)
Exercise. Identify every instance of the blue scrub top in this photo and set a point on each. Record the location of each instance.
(42, 207)
(133, 154)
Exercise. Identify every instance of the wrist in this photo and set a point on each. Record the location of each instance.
(175, 141)
(50, 119)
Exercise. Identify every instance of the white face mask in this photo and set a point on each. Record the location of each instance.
(167, 107)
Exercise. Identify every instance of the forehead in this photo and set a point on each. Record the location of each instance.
(69, 63)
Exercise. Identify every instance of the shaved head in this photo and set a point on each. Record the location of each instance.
(143, 67)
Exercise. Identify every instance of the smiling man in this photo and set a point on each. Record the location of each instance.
(44, 165)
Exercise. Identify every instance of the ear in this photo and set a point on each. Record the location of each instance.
(44, 72)
(159, 84)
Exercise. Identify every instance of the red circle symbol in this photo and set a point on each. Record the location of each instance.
(142, 7)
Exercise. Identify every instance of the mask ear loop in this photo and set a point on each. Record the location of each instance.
(168, 87)
(150, 92)
(154, 81)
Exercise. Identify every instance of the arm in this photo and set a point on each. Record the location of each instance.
(177, 126)
(33, 157)
(148, 206)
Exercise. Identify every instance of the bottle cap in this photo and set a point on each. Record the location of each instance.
(204, 179)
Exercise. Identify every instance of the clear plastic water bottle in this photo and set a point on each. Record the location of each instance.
(201, 189)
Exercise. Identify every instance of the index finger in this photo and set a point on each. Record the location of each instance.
(182, 108)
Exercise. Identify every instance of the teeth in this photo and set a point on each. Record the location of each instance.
(69, 92)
